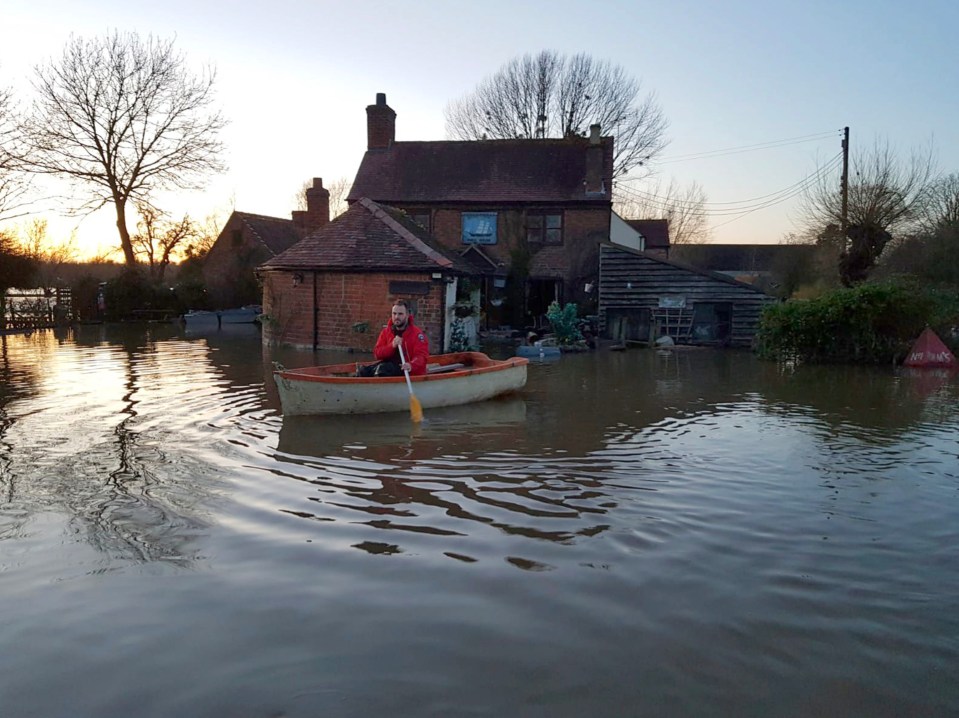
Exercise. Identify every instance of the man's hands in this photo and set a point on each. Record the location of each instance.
(397, 342)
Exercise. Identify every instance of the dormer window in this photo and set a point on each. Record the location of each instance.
(544, 227)
(421, 217)
(479, 228)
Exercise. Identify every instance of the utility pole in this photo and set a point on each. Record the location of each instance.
(845, 180)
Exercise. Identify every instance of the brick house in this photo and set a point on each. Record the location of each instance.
(334, 289)
(646, 235)
(248, 240)
(527, 214)
(655, 234)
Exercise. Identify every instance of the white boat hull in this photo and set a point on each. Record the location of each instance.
(319, 390)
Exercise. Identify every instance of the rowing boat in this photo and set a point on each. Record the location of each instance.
(451, 379)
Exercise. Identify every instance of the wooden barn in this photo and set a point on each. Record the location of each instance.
(643, 297)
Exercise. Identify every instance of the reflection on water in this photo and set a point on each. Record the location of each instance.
(641, 532)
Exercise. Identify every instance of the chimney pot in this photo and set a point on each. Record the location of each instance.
(595, 161)
(317, 212)
(380, 124)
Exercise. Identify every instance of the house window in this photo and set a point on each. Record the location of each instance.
(421, 218)
(544, 227)
(479, 228)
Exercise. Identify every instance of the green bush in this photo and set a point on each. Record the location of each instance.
(564, 322)
(868, 324)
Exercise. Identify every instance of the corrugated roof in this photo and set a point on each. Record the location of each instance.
(372, 237)
(481, 171)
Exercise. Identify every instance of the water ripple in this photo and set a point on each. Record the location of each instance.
(738, 536)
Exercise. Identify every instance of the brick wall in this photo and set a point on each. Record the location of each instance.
(380, 124)
(228, 267)
(575, 262)
(352, 308)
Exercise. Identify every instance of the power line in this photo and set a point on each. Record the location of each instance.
(772, 144)
(836, 161)
(653, 198)
(746, 206)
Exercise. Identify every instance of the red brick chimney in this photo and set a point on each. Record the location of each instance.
(380, 124)
(317, 211)
(595, 156)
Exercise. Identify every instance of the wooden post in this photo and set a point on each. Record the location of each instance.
(845, 181)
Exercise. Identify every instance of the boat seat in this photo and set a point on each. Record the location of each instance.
(443, 368)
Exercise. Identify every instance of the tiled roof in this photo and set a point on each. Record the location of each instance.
(481, 262)
(480, 171)
(276, 234)
(654, 231)
(371, 237)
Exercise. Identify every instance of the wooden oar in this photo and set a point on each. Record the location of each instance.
(416, 411)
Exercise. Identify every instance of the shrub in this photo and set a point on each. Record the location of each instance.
(869, 323)
(564, 323)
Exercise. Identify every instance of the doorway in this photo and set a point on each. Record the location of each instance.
(712, 322)
(540, 293)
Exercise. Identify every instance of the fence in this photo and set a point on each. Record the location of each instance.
(27, 309)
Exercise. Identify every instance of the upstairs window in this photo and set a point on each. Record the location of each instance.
(544, 227)
(421, 217)
(479, 228)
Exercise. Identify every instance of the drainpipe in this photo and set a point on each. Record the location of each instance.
(316, 326)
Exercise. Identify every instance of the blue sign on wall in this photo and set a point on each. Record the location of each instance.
(479, 228)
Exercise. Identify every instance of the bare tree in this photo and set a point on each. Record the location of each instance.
(204, 236)
(941, 207)
(682, 207)
(158, 239)
(886, 196)
(35, 242)
(14, 184)
(123, 117)
(552, 95)
(339, 191)
(299, 199)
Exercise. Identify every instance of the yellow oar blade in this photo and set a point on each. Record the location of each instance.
(416, 411)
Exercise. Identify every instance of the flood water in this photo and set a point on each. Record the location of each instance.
(636, 534)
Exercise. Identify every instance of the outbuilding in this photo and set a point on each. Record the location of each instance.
(334, 289)
(643, 297)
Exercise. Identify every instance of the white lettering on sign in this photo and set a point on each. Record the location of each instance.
(938, 357)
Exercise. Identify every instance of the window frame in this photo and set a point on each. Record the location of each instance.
(541, 234)
(425, 213)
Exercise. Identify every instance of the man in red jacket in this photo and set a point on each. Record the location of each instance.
(400, 331)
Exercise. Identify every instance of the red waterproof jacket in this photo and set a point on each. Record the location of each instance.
(416, 347)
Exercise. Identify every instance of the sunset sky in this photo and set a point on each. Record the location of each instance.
(751, 76)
